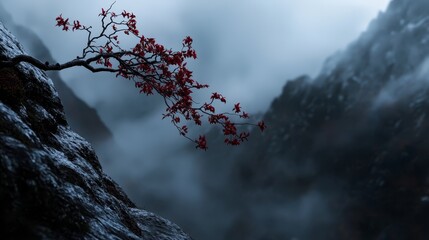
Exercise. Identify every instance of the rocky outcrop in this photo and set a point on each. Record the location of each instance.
(346, 154)
(82, 118)
(51, 183)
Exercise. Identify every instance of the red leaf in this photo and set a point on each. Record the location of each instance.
(237, 108)
(201, 143)
(103, 13)
(262, 126)
(187, 41)
(76, 25)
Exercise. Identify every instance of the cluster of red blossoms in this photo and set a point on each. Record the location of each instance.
(153, 68)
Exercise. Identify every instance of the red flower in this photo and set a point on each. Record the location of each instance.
(244, 136)
(209, 107)
(233, 142)
(109, 48)
(187, 41)
(146, 88)
(76, 25)
(215, 118)
(107, 63)
(244, 115)
(125, 14)
(262, 126)
(103, 13)
(61, 22)
(190, 53)
(237, 108)
(216, 95)
(229, 128)
(201, 143)
(184, 130)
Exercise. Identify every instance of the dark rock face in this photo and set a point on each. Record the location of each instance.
(346, 155)
(51, 183)
(82, 118)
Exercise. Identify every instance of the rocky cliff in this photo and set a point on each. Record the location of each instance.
(82, 118)
(346, 154)
(51, 183)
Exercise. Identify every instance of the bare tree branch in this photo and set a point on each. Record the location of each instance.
(57, 67)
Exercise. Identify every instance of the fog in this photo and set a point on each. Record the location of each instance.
(257, 44)
(247, 49)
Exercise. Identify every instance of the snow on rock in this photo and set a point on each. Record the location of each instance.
(51, 182)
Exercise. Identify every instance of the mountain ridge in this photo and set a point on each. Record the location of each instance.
(345, 155)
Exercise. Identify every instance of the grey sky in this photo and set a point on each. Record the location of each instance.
(246, 48)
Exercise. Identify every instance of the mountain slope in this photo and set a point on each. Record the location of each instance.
(81, 117)
(346, 154)
(51, 183)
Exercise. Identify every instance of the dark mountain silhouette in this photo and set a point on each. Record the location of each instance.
(346, 154)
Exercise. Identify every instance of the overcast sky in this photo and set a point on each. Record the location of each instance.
(246, 48)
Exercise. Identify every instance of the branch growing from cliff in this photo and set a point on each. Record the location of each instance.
(57, 67)
(153, 68)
